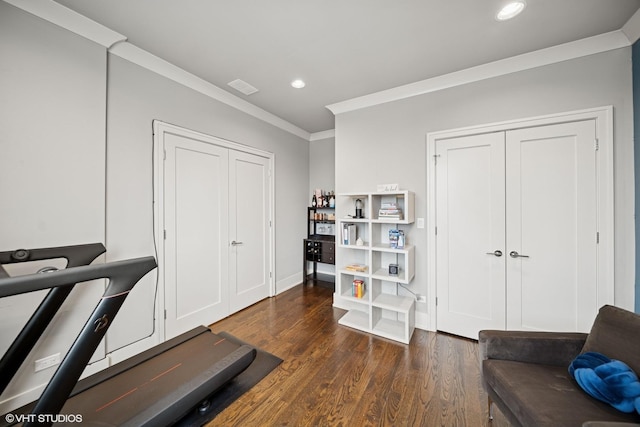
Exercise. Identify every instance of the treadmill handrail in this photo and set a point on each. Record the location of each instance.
(122, 275)
(115, 271)
(75, 255)
(36, 325)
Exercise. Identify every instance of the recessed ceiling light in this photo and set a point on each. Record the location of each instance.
(298, 84)
(511, 10)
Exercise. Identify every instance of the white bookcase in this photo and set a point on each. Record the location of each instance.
(381, 310)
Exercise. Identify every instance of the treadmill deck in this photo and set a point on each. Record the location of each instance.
(164, 388)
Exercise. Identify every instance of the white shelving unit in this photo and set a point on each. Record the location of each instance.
(381, 310)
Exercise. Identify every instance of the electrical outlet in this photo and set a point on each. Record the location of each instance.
(421, 298)
(47, 362)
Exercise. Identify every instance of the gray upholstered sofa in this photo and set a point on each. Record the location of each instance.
(526, 373)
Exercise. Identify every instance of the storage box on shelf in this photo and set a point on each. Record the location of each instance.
(365, 242)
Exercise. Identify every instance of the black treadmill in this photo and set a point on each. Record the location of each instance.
(161, 386)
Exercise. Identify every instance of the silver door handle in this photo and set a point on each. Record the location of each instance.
(234, 243)
(497, 253)
(514, 254)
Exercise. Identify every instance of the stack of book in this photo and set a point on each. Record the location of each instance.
(356, 267)
(358, 288)
(389, 210)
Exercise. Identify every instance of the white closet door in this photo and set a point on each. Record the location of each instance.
(249, 223)
(470, 209)
(551, 219)
(196, 224)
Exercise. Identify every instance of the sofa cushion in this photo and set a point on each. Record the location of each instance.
(616, 334)
(544, 395)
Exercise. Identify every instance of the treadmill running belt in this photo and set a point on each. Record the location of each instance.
(163, 389)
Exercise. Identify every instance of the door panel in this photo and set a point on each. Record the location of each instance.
(249, 213)
(470, 220)
(551, 218)
(545, 205)
(196, 218)
(210, 193)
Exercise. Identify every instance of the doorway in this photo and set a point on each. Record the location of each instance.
(520, 210)
(214, 227)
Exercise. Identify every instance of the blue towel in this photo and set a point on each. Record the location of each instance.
(608, 380)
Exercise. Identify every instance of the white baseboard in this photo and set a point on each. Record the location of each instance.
(134, 348)
(31, 395)
(288, 282)
(18, 400)
(422, 321)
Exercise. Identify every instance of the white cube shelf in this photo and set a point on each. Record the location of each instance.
(381, 310)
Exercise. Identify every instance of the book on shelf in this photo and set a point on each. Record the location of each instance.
(349, 234)
(389, 210)
(358, 288)
(397, 217)
(361, 268)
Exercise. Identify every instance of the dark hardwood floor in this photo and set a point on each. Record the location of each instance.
(336, 376)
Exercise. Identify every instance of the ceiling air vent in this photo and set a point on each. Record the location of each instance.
(242, 86)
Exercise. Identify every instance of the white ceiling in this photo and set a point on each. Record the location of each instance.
(343, 49)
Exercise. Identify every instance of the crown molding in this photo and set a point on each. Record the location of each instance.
(632, 28)
(577, 49)
(166, 69)
(317, 136)
(70, 20)
(116, 44)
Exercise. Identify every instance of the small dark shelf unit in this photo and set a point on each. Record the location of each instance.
(319, 246)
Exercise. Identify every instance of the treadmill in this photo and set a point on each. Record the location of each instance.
(164, 385)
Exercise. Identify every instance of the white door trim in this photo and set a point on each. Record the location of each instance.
(159, 130)
(603, 117)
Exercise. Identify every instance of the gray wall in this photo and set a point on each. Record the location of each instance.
(52, 163)
(52, 119)
(322, 154)
(76, 167)
(386, 143)
(136, 97)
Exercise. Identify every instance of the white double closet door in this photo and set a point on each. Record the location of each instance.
(216, 230)
(517, 236)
